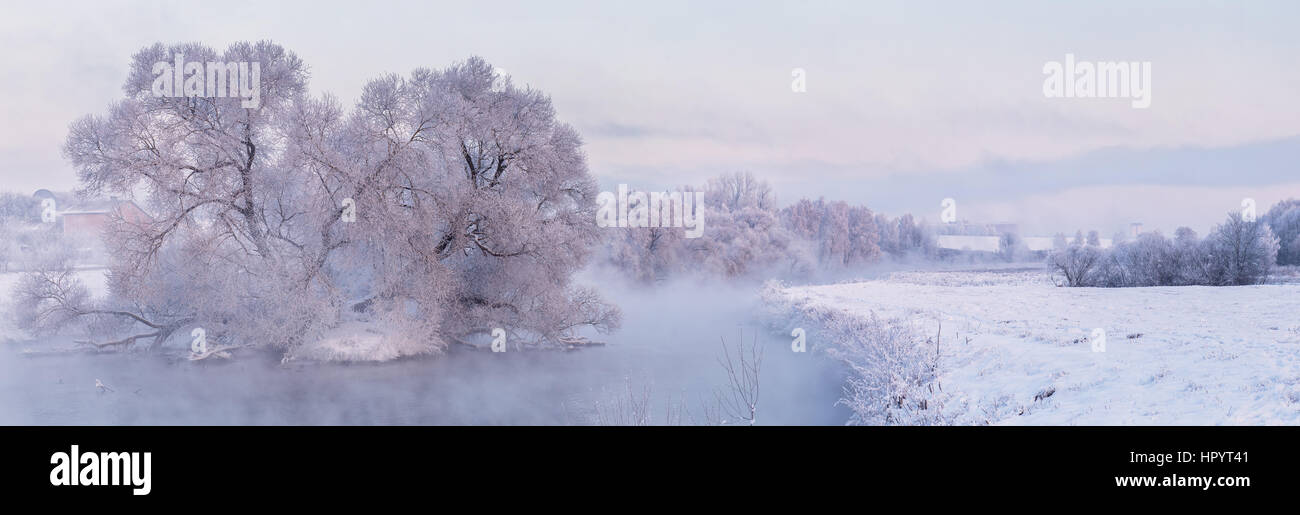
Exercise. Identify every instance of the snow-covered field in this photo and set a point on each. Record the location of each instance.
(1015, 349)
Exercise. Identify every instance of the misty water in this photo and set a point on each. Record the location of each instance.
(667, 350)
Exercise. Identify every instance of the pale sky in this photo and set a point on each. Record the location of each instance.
(907, 102)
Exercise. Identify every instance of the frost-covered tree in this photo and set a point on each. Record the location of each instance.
(20, 218)
(463, 183)
(1284, 220)
(842, 235)
(1237, 252)
(1059, 242)
(742, 235)
(647, 254)
(744, 232)
(7, 246)
(903, 237)
(1150, 260)
(19, 208)
(1010, 246)
(1075, 264)
(214, 175)
(444, 204)
(908, 240)
(887, 231)
(1241, 252)
(1159, 257)
(1189, 258)
(864, 236)
(738, 191)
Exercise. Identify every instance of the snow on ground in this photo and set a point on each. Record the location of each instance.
(1194, 355)
(356, 340)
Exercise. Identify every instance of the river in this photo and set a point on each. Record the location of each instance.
(666, 351)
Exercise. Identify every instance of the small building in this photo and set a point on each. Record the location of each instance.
(91, 218)
(85, 219)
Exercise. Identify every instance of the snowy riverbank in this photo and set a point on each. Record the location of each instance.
(1017, 350)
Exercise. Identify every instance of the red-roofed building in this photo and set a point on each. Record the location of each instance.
(91, 218)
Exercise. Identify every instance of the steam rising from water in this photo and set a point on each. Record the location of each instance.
(667, 349)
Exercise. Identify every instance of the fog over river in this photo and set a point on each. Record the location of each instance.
(667, 351)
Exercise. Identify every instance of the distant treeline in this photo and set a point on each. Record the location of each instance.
(745, 233)
(1237, 252)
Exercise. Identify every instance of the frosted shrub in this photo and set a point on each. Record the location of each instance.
(1241, 252)
(1237, 252)
(1076, 264)
(892, 369)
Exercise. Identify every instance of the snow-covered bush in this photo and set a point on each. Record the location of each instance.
(1150, 260)
(892, 369)
(1076, 264)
